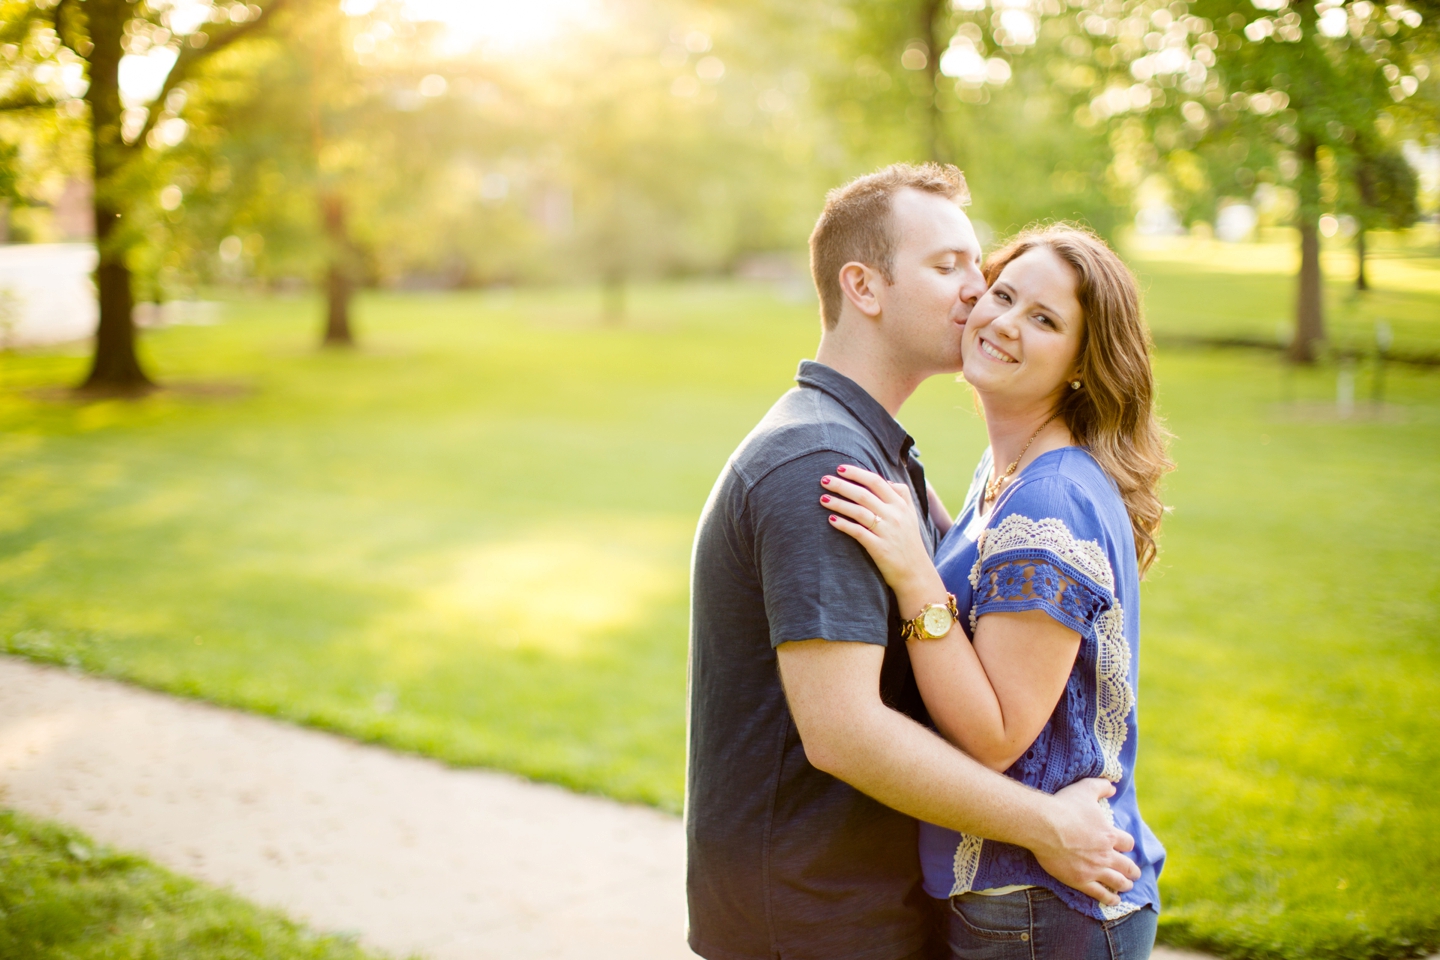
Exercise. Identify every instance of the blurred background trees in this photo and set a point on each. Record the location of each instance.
(1380, 192)
(331, 145)
(70, 55)
(323, 145)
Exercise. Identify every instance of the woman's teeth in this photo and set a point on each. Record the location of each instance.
(995, 354)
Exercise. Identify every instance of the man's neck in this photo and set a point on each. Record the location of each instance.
(871, 367)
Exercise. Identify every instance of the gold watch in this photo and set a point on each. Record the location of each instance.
(935, 621)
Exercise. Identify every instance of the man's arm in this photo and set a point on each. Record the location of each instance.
(833, 689)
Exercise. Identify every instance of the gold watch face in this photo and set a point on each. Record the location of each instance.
(936, 621)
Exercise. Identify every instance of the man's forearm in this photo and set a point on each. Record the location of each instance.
(832, 689)
(892, 758)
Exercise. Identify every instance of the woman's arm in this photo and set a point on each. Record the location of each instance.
(991, 698)
(938, 514)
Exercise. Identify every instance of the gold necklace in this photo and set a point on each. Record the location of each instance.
(993, 488)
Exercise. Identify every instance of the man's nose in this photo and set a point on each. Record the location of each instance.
(973, 288)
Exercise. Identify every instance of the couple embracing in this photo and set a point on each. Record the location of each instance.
(913, 735)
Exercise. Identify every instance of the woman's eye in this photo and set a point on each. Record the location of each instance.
(1002, 295)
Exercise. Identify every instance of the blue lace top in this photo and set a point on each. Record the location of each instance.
(1059, 540)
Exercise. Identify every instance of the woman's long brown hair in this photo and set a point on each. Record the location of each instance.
(1113, 412)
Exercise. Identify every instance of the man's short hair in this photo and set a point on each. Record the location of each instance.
(855, 224)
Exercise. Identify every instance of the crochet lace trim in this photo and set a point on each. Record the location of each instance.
(1017, 532)
(967, 863)
(1122, 908)
(1114, 698)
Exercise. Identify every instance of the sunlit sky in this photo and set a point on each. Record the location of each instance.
(503, 25)
(495, 26)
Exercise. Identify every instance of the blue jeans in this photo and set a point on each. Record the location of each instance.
(1035, 924)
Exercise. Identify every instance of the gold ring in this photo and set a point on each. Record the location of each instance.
(874, 521)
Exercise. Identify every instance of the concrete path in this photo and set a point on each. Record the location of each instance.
(415, 857)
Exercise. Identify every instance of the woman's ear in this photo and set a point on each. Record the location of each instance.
(858, 282)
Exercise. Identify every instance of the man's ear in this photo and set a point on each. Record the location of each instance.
(860, 285)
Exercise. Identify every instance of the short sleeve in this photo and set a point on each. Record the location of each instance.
(1045, 550)
(818, 583)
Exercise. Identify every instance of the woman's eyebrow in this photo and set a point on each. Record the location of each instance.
(1046, 309)
(1052, 313)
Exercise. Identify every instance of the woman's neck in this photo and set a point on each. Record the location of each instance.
(1011, 427)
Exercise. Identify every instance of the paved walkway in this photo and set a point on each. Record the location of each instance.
(413, 856)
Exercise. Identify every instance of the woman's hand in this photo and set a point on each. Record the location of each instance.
(881, 516)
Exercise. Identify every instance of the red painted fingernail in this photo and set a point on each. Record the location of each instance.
(839, 469)
(825, 499)
(825, 480)
(833, 518)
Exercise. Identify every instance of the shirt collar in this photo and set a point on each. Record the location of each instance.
(884, 428)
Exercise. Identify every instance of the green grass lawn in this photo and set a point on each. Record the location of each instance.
(366, 543)
(62, 897)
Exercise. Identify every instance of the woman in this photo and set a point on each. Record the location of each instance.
(1042, 570)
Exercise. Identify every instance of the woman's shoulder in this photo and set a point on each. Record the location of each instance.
(1065, 478)
(1064, 499)
(1071, 466)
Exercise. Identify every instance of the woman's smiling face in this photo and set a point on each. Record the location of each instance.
(1023, 337)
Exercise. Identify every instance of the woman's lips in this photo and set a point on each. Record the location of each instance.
(995, 353)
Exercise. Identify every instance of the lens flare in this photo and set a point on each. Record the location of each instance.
(502, 26)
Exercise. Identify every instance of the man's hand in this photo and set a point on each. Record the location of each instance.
(1086, 851)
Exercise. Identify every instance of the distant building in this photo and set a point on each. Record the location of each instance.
(46, 293)
(1235, 223)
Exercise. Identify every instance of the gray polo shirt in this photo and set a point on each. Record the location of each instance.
(786, 861)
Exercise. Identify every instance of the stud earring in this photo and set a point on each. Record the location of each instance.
(1074, 384)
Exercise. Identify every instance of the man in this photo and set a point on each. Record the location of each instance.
(810, 760)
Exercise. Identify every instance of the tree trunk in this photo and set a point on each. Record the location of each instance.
(116, 366)
(1309, 307)
(1361, 281)
(339, 280)
(929, 12)
(1309, 310)
(337, 308)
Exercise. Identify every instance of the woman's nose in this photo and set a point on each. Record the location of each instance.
(1006, 324)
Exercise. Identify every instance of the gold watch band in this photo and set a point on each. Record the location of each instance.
(911, 629)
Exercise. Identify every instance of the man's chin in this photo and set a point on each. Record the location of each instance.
(960, 352)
